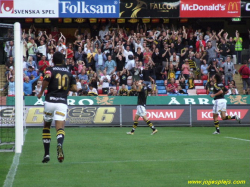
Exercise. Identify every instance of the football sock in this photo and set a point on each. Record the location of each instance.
(134, 126)
(151, 125)
(230, 117)
(217, 126)
(60, 136)
(46, 140)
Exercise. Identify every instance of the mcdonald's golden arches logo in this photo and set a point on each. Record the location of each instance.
(232, 6)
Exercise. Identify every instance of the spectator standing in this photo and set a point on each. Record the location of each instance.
(204, 68)
(245, 75)
(110, 66)
(200, 44)
(213, 69)
(32, 49)
(41, 50)
(50, 57)
(100, 59)
(120, 61)
(43, 64)
(228, 70)
(185, 69)
(69, 51)
(31, 71)
(8, 64)
(147, 55)
(9, 49)
(211, 52)
(104, 81)
(157, 57)
(126, 53)
(124, 77)
(79, 54)
(223, 49)
(30, 62)
(27, 85)
(238, 46)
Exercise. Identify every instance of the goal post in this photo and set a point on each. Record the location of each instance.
(19, 118)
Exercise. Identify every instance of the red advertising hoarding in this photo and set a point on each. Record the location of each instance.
(212, 8)
(206, 114)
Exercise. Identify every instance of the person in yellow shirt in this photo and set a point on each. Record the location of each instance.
(238, 46)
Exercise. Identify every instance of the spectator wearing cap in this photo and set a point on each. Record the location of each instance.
(100, 59)
(213, 68)
(245, 74)
(110, 65)
(229, 70)
(31, 62)
(191, 49)
(31, 71)
(211, 52)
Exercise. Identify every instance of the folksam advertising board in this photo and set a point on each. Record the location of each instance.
(89, 9)
(29, 8)
(212, 8)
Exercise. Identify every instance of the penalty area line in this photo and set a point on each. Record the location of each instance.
(238, 139)
(13, 168)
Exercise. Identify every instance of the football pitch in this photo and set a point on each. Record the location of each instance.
(107, 157)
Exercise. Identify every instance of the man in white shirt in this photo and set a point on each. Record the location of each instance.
(131, 63)
(104, 31)
(61, 47)
(10, 49)
(127, 52)
(92, 90)
(42, 48)
(138, 43)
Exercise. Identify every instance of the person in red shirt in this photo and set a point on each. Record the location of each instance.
(172, 86)
(70, 52)
(245, 73)
(200, 44)
(43, 64)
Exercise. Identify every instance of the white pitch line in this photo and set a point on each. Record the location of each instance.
(238, 139)
(13, 168)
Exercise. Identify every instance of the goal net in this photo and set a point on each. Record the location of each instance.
(10, 107)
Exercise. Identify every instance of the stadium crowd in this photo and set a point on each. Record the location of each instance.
(108, 60)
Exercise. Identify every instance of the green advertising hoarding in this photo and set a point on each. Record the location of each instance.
(126, 100)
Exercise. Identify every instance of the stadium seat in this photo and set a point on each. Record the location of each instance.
(186, 81)
(161, 88)
(99, 91)
(177, 72)
(204, 77)
(162, 91)
(198, 82)
(159, 82)
(204, 82)
(182, 94)
(191, 92)
(201, 91)
(129, 87)
(186, 87)
(199, 87)
(162, 94)
(172, 94)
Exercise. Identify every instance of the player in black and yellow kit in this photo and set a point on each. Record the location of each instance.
(59, 81)
(220, 103)
(141, 110)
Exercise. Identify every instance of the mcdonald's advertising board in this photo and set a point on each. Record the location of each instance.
(212, 8)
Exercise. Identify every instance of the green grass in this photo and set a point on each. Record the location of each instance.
(107, 157)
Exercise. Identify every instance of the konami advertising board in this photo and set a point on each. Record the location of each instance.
(212, 8)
